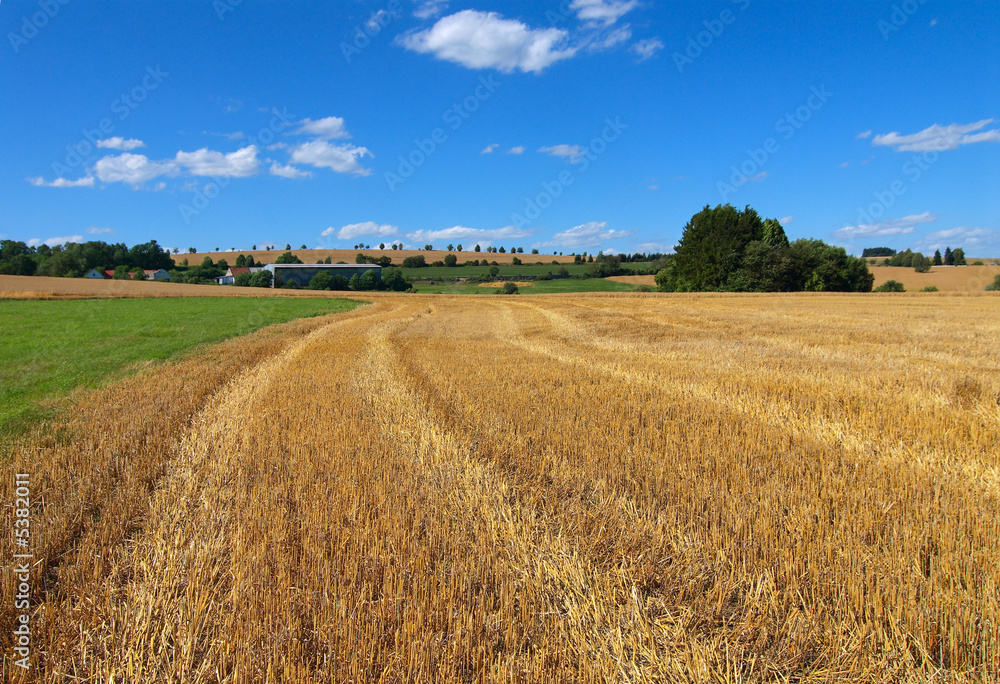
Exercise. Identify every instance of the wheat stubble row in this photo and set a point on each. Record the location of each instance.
(562, 489)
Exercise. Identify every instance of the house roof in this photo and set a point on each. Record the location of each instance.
(236, 270)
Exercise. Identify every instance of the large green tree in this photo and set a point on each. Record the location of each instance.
(726, 249)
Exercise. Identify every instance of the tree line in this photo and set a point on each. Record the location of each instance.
(75, 259)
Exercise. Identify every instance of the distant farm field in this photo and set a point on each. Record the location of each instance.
(312, 256)
(49, 348)
(554, 488)
(944, 278)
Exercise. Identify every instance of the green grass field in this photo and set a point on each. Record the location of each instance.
(49, 348)
(539, 287)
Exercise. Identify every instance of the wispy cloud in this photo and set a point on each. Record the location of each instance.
(94, 230)
(469, 236)
(644, 49)
(119, 143)
(328, 128)
(586, 236)
(430, 9)
(288, 171)
(489, 148)
(339, 158)
(363, 229)
(900, 226)
(966, 237)
(573, 153)
(939, 137)
(517, 149)
(863, 135)
(53, 241)
(86, 182)
(605, 12)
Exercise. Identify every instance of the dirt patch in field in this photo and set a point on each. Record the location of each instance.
(499, 283)
(635, 280)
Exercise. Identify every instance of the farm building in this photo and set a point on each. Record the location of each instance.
(230, 277)
(94, 274)
(301, 274)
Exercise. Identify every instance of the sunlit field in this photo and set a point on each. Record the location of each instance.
(595, 488)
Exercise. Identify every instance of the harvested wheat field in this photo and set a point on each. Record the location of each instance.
(38, 287)
(546, 489)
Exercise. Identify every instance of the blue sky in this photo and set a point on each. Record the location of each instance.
(568, 126)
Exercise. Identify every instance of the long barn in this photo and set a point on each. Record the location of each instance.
(301, 274)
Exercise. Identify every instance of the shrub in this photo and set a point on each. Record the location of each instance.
(321, 281)
(890, 286)
(261, 279)
(243, 280)
(977, 262)
(995, 285)
(508, 288)
(450, 260)
(930, 288)
(417, 261)
(515, 261)
(643, 288)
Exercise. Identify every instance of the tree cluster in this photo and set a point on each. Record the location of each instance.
(728, 250)
(73, 260)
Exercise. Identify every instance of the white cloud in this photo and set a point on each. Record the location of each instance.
(645, 49)
(53, 241)
(205, 162)
(430, 9)
(469, 236)
(134, 169)
(85, 182)
(573, 153)
(786, 220)
(602, 11)
(863, 135)
(288, 171)
(339, 158)
(757, 178)
(939, 138)
(366, 228)
(589, 235)
(119, 143)
(608, 40)
(94, 230)
(900, 226)
(485, 40)
(489, 148)
(329, 128)
(517, 149)
(966, 237)
(655, 248)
